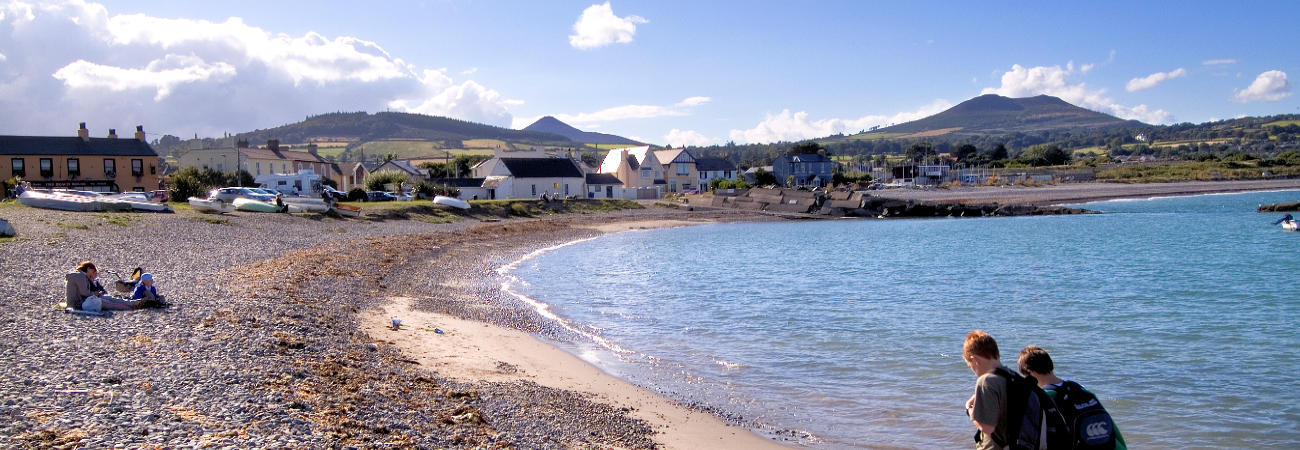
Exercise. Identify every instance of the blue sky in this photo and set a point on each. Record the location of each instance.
(665, 72)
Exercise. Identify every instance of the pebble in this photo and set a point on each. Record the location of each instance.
(209, 365)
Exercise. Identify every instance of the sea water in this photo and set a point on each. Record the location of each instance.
(1180, 313)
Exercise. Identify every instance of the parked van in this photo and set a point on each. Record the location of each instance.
(305, 182)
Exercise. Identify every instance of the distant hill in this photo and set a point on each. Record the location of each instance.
(361, 126)
(550, 124)
(993, 114)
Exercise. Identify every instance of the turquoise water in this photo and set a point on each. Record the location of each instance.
(1180, 313)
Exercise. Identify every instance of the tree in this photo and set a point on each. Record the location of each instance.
(764, 178)
(807, 148)
(966, 152)
(1044, 155)
(919, 151)
(998, 153)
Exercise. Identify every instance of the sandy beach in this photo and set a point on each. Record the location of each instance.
(281, 332)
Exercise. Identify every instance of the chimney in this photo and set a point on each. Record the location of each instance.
(311, 148)
(139, 133)
(242, 143)
(112, 133)
(273, 145)
(83, 133)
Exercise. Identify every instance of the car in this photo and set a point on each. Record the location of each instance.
(405, 196)
(337, 194)
(229, 194)
(380, 196)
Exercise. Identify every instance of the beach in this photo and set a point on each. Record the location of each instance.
(280, 334)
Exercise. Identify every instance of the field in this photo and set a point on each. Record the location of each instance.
(1189, 142)
(1281, 123)
(1095, 150)
(869, 136)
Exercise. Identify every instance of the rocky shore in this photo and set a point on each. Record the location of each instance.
(262, 348)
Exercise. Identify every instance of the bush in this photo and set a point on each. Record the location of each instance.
(356, 194)
(428, 190)
(376, 180)
(720, 183)
(195, 182)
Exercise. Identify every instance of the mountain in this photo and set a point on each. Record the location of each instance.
(552, 125)
(993, 114)
(361, 126)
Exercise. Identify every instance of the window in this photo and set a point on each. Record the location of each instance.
(534, 189)
(110, 168)
(137, 167)
(566, 189)
(153, 170)
(19, 167)
(47, 167)
(683, 169)
(646, 173)
(74, 167)
(259, 168)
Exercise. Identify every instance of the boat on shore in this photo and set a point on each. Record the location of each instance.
(250, 205)
(209, 206)
(306, 204)
(139, 201)
(450, 201)
(347, 210)
(60, 200)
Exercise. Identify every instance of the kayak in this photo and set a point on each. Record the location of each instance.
(60, 200)
(246, 204)
(204, 205)
(450, 201)
(347, 210)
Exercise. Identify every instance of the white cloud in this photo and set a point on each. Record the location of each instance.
(1154, 79)
(1217, 62)
(1053, 80)
(1269, 86)
(694, 101)
(469, 71)
(788, 126)
(683, 138)
(598, 27)
(1086, 68)
(71, 61)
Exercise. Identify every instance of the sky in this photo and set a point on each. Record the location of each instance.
(664, 72)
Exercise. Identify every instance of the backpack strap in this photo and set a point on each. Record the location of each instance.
(1016, 396)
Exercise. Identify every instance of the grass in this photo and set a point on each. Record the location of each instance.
(339, 230)
(1192, 171)
(437, 217)
(417, 149)
(216, 220)
(8, 239)
(1095, 150)
(73, 226)
(1281, 123)
(120, 220)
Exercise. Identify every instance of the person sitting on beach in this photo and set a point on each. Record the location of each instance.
(146, 293)
(84, 293)
(1034, 362)
(279, 203)
(987, 407)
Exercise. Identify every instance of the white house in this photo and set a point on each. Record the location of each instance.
(530, 176)
(638, 169)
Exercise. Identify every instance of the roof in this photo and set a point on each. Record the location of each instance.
(405, 166)
(72, 146)
(713, 164)
(602, 178)
(289, 155)
(542, 167)
(806, 157)
(667, 156)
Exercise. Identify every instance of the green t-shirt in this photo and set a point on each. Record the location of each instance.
(990, 408)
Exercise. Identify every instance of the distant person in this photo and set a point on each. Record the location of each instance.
(1090, 424)
(279, 203)
(146, 293)
(988, 406)
(84, 293)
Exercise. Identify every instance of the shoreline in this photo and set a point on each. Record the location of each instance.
(273, 339)
(1075, 193)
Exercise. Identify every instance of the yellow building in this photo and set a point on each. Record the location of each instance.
(95, 164)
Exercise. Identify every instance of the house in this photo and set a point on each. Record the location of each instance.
(355, 176)
(260, 161)
(639, 170)
(714, 169)
(604, 185)
(82, 162)
(804, 169)
(413, 174)
(529, 175)
(679, 169)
